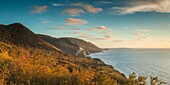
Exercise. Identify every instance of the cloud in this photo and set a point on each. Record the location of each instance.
(55, 4)
(83, 35)
(92, 9)
(77, 4)
(78, 33)
(58, 27)
(118, 41)
(108, 36)
(110, 33)
(125, 28)
(141, 38)
(44, 21)
(142, 34)
(102, 28)
(71, 24)
(89, 36)
(143, 30)
(73, 11)
(139, 35)
(161, 6)
(164, 41)
(74, 29)
(74, 21)
(62, 27)
(98, 38)
(88, 7)
(168, 24)
(91, 29)
(103, 2)
(99, 28)
(40, 9)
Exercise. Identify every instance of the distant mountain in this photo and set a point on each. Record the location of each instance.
(72, 45)
(20, 35)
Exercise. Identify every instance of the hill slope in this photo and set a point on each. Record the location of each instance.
(71, 45)
(21, 36)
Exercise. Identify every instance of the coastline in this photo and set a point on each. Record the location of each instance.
(138, 61)
(98, 59)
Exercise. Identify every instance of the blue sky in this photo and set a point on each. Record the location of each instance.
(106, 23)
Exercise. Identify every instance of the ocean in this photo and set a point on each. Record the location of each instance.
(145, 62)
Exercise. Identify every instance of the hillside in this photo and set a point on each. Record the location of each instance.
(20, 35)
(28, 60)
(71, 45)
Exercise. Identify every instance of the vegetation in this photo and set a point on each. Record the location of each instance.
(141, 80)
(41, 67)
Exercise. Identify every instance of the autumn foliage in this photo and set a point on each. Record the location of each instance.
(20, 66)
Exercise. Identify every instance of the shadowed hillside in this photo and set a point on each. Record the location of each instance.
(21, 36)
(71, 45)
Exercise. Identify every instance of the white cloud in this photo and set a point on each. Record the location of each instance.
(73, 11)
(44, 21)
(162, 6)
(74, 21)
(40, 9)
(77, 4)
(55, 4)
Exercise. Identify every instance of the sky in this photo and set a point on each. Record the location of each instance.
(106, 23)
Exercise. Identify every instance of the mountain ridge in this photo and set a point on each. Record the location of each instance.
(71, 45)
(19, 35)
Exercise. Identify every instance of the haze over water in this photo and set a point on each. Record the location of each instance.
(147, 62)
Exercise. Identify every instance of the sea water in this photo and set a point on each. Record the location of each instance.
(145, 62)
